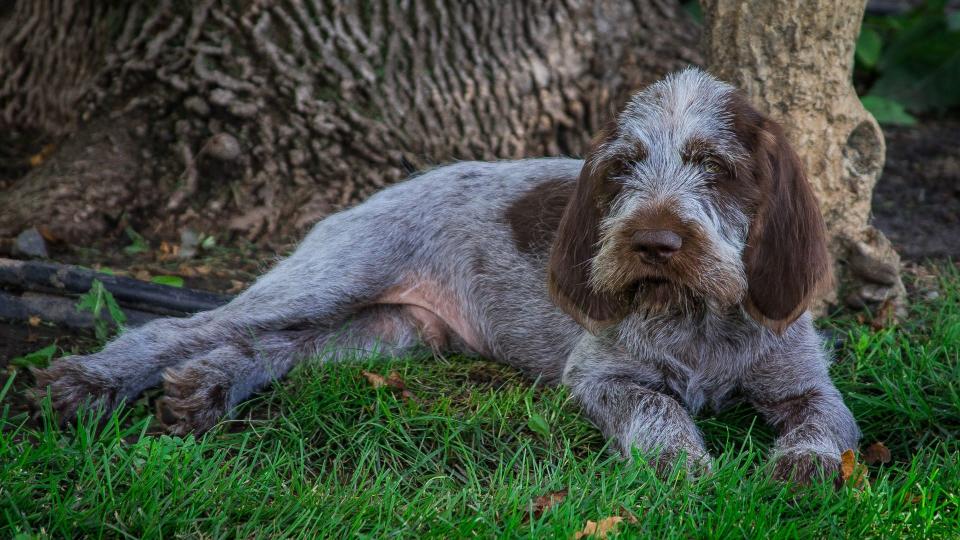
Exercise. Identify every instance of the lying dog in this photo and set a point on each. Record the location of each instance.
(669, 271)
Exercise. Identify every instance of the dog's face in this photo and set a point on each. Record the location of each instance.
(690, 197)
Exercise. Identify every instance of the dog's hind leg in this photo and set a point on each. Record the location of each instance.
(199, 391)
(325, 282)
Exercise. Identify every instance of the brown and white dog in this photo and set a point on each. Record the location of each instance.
(669, 271)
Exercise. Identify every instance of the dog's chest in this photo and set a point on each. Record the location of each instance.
(699, 380)
(699, 366)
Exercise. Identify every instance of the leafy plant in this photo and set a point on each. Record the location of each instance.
(138, 244)
(888, 111)
(39, 358)
(95, 301)
(911, 62)
(171, 281)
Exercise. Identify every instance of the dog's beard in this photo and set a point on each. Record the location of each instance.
(682, 284)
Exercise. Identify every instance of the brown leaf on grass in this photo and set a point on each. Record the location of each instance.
(375, 379)
(599, 529)
(847, 462)
(876, 453)
(852, 472)
(543, 503)
(34, 320)
(910, 498)
(392, 380)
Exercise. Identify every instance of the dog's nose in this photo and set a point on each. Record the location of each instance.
(656, 245)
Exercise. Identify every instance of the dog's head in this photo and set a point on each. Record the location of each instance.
(690, 196)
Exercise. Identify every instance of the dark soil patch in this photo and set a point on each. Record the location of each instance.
(916, 202)
(19, 338)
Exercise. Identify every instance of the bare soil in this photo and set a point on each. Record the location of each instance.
(916, 202)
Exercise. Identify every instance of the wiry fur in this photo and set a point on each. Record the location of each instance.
(513, 260)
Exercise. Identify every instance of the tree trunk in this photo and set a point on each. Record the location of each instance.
(269, 115)
(794, 59)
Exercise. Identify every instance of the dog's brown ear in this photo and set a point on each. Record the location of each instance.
(786, 259)
(575, 245)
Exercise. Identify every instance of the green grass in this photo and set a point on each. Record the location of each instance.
(324, 454)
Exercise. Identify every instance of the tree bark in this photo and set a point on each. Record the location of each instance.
(794, 59)
(266, 116)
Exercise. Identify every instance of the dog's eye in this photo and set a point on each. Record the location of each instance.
(711, 166)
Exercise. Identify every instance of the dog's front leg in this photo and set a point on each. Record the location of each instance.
(619, 395)
(792, 389)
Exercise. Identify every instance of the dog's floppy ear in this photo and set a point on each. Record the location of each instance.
(575, 245)
(786, 259)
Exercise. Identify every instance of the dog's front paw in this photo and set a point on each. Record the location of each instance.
(73, 384)
(195, 398)
(696, 461)
(803, 466)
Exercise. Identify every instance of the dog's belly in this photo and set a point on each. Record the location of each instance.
(436, 313)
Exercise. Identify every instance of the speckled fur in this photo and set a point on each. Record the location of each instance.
(638, 380)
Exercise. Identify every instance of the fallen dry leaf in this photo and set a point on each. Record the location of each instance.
(543, 503)
(34, 320)
(47, 234)
(852, 472)
(599, 529)
(375, 379)
(910, 498)
(168, 251)
(876, 453)
(37, 159)
(847, 462)
(392, 380)
(142, 275)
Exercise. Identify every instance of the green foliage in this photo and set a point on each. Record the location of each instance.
(869, 45)
(887, 111)
(913, 61)
(171, 281)
(39, 358)
(537, 423)
(138, 244)
(96, 300)
(209, 242)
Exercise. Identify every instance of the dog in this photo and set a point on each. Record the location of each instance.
(669, 271)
